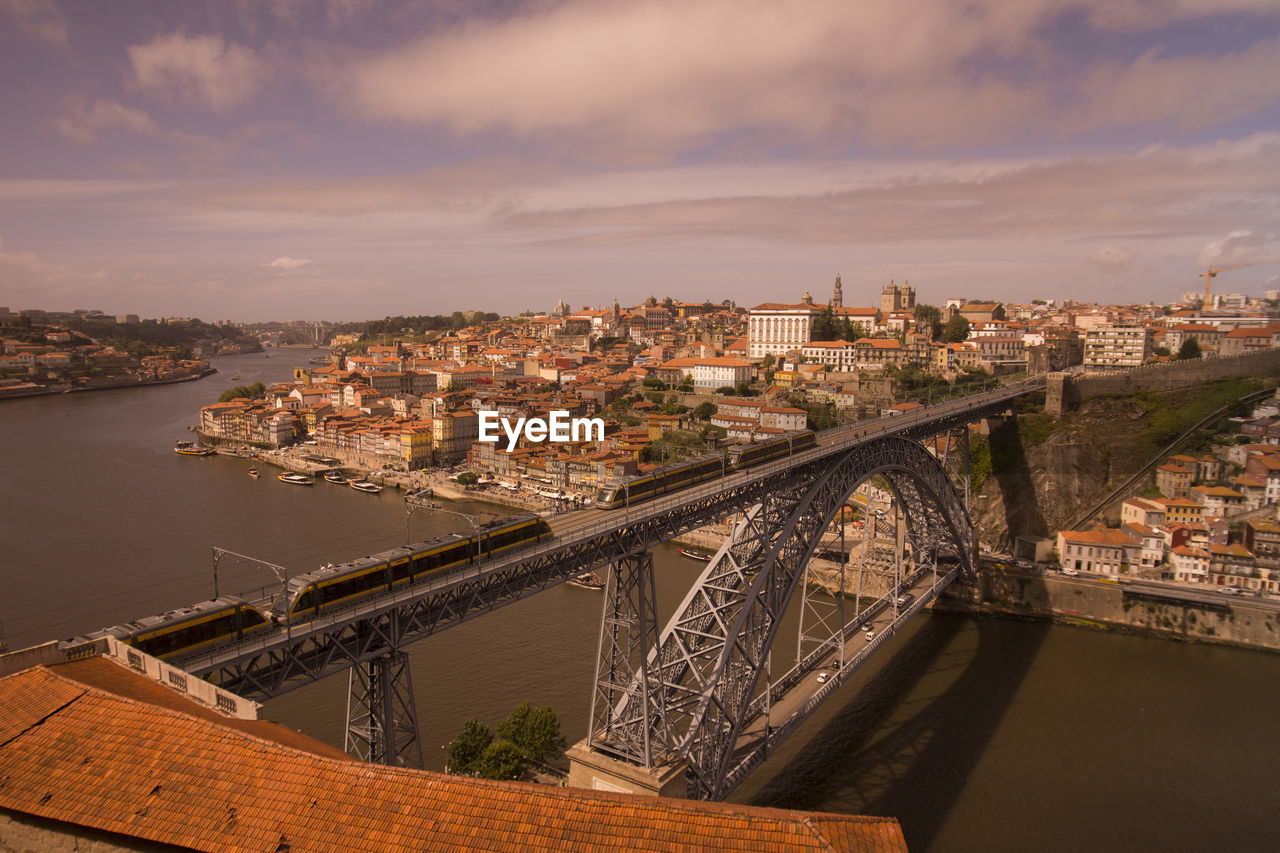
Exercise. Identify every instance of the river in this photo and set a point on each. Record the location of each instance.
(974, 733)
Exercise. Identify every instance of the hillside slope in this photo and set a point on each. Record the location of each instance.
(1035, 473)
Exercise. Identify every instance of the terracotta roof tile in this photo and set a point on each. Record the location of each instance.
(121, 761)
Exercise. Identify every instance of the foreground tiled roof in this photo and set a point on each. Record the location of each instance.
(94, 745)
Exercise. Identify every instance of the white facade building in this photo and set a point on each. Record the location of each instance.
(776, 329)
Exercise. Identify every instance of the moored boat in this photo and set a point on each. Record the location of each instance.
(694, 555)
(587, 580)
(190, 448)
(365, 486)
(334, 477)
(295, 479)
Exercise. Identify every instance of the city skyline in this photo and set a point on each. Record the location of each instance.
(359, 159)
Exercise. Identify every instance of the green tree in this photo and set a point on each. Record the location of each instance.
(956, 330)
(466, 749)
(467, 478)
(704, 411)
(653, 382)
(928, 320)
(1190, 349)
(745, 390)
(824, 327)
(725, 389)
(501, 759)
(536, 732)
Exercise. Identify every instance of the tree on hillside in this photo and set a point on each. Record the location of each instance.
(1190, 349)
(824, 327)
(956, 330)
(928, 320)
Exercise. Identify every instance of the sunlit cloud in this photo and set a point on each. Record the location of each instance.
(287, 264)
(82, 122)
(197, 70)
(40, 19)
(669, 73)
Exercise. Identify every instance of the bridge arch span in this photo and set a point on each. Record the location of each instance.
(712, 653)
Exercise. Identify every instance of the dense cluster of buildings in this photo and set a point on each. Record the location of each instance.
(63, 361)
(649, 368)
(1185, 531)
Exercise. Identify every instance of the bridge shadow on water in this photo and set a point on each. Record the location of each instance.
(906, 744)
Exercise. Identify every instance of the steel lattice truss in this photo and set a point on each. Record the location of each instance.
(382, 719)
(628, 629)
(280, 664)
(712, 653)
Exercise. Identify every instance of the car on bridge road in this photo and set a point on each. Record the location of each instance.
(822, 678)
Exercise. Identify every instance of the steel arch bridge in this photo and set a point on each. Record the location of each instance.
(706, 679)
(690, 693)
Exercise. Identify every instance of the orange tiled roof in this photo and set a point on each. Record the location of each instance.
(178, 777)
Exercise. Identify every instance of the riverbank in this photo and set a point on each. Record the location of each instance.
(43, 391)
(1244, 622)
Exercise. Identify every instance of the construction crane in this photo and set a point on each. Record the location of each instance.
(1208, 279)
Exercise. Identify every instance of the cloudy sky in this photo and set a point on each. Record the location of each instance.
(351, 159)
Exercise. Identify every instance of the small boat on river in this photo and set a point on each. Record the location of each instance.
(365, 486)
(253, 472)
(190, 448)
(295, 479)
(587, 580)
(334, 477)
(694, 555)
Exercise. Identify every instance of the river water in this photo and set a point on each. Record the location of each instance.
(975, 734)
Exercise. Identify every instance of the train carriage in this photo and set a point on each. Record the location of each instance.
(308, 595)
(187, 629)
(748, 455)
(671, 478)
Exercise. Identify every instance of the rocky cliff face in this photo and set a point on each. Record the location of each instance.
(1044, 471)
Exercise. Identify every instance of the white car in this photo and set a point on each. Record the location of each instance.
(1230, 590)
(822, 678)
(1067, 570)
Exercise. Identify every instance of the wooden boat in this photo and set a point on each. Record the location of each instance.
(587, 580)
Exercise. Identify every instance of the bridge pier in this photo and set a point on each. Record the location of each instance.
(382, 718)
(627, 718)
(590, 768)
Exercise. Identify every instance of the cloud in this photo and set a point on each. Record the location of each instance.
(287, 264)
(81, 122)
(646, 73)
(1158, 193)
(1238, 247)
(197, 70)
(40, 19)
(1112, 258)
